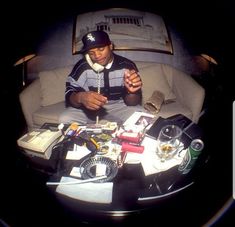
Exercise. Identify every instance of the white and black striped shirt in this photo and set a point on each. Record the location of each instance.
(84, 78)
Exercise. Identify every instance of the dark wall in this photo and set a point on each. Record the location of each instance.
(207, 24)
(204, 23)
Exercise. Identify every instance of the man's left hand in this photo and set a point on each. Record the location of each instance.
(132, 81)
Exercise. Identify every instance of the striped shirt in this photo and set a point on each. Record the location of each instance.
(84, 78)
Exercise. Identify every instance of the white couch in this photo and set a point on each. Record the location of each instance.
(43, 100)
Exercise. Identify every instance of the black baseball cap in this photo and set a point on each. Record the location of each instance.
(94, 39)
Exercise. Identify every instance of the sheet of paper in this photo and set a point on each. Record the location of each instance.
(75, 172)
(133, 158)
(78, 153)
(151, 162)
(89, 192)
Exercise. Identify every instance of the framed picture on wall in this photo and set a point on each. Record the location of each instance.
(128, 30)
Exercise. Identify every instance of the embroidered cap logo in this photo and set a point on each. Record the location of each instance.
(90, 37)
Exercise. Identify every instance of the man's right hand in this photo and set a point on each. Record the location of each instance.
(90, 99)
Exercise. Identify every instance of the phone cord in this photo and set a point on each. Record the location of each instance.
(98, 90)
(98, 82)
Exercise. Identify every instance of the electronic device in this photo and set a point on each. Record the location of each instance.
(97, 67)
(39, 142)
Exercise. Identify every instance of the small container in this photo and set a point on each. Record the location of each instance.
(193, 151)
(72, 129)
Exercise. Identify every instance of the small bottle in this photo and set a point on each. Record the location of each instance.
(193, 151)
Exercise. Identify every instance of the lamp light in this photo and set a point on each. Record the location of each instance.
(211, 63)
(209, 58)
(24, 66)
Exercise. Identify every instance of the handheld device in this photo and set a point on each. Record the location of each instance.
(97, 67)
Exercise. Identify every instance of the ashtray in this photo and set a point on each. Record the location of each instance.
(98, 166)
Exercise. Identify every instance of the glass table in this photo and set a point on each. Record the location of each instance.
(137, 183)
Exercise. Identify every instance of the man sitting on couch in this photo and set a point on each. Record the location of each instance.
(102, 85)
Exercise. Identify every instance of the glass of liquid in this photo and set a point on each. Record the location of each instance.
(169, 140)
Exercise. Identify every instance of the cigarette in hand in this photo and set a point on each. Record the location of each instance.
(131, 83)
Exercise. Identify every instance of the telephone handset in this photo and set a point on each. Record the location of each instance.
(97, 67)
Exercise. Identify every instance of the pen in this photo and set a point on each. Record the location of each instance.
(121, 158)
(95, 143)
(77, 132)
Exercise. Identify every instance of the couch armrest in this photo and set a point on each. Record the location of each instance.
(189, 92)
(30, 100)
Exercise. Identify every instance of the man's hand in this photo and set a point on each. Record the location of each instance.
(90, 99)
(132, 81)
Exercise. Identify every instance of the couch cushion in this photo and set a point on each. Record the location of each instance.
(143, 64)
(48, 114)
(53, 85)
(173, 108)
(153, 79)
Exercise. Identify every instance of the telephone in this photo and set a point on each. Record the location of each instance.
(97, 67)
(39, 142)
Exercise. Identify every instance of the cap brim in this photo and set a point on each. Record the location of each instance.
(85, 49)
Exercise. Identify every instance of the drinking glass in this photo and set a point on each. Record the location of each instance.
(169, 139)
